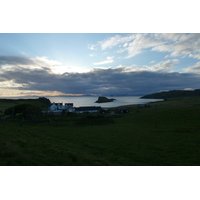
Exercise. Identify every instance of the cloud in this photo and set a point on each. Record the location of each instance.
(35, 75)
(169, 36)
(197, 56)
(181, 45)
(108, 60)
(115, 40)
(193, 69)
(132, 43)
(39, 63)
(92, 47)
(189, 89)
(15, 60)
(177, 44)
(161, 66)
(142, 41)
(112, 81)
(24, 62)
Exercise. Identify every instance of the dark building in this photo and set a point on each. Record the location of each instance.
(121, 110)
(90, 109)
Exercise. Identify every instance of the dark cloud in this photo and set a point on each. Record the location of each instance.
(101, 81)
(15, 60)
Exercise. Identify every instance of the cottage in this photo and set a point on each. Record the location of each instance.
(105, 110)
(59, 108)
(53, 107)
(121, 110)
(70, 107)
(143, 106)
(88, 109)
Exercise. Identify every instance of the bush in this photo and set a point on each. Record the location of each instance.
(25, 109)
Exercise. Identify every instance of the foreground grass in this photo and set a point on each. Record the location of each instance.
(167, 133)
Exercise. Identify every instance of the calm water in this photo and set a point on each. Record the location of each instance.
(89, 101)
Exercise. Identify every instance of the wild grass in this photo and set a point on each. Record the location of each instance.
(8, 103)
(166, 134)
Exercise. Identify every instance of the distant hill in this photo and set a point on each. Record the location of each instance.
(173, 94)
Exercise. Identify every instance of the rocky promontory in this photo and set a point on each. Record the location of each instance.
(104, 100)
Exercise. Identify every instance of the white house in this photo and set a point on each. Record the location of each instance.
(53, 107)
(59, 107)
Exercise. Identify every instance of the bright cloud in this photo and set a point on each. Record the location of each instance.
(197, 56)
(37, 63)
(181, 45)
(108, 60)
(161, 66)
(92, 47)
(193, 69)
(29, 93)
(177, 44)
(142, 41)
(116, 40)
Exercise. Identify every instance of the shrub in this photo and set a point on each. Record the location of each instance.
(25, 109)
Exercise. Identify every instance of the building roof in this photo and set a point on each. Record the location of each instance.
(87, 108)
(71, 104)
(56, 103)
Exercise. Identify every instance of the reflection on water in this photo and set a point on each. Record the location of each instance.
(89, 101)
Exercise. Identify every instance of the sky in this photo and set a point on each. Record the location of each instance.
(74, 64)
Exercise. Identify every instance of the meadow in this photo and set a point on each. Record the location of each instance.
(165, 134)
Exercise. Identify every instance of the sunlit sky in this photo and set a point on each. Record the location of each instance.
(50, 64)
(85, 48)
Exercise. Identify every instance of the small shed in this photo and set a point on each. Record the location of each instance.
(121, 110)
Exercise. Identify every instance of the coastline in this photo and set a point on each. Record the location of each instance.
(89, 101)
(132, 105)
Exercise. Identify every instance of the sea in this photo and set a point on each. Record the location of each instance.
(90, 101)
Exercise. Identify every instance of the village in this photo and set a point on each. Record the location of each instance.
(60, 108)
(34, 108)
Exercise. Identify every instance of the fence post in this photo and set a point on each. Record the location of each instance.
(155, 113)
(13, 110)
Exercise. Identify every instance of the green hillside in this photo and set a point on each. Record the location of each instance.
(41, 102)
(173, 94)
(165, 134)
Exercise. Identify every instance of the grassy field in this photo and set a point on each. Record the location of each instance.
(165, 134)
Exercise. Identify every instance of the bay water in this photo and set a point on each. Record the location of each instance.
(90, 101)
